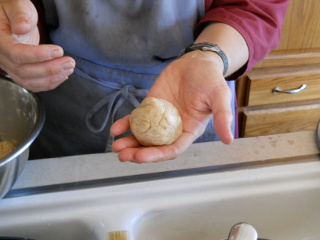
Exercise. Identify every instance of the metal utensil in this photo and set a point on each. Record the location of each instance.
(243, 231)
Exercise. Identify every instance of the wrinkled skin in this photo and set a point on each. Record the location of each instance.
(33, 66)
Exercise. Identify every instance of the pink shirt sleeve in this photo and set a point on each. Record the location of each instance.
(258, 21)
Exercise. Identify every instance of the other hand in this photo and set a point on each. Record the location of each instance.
(33, 66)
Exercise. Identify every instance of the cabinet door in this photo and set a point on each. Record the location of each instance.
(281, 120)
(301, 29)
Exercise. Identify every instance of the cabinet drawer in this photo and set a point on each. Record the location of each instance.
(281, 120)
(262, 84)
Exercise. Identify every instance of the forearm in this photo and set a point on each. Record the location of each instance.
(230, 41)
(259, 22)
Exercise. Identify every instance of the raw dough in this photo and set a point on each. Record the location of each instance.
(6, 147)
(155, 122)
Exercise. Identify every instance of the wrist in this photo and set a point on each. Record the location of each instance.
(207, 47)
(205, 57)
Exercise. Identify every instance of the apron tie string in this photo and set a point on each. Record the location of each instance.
(122, 92)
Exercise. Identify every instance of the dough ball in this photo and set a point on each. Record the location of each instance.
(155, 122)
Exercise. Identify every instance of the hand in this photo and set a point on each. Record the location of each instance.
(195, 85)
(35, 67)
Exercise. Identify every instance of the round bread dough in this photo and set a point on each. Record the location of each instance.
(155, 122)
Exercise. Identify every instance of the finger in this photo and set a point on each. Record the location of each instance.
(61, 65)
(222, 114)
(41, 84)
(128, 155)
(120, 126)
(222, 126)
(157, 153)
(23, 54)
(148, 154)
(165, 152)
(123, 143)
(22, 15)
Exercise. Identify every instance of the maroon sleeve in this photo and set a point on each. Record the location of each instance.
(258, 21)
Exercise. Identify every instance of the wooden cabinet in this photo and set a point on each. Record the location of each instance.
(282, 93)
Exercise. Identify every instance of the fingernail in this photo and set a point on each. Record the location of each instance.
(56, 53)
(67, 72)
(68, 65)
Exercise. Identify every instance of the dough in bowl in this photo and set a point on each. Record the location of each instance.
(155, 122)
(6, 147)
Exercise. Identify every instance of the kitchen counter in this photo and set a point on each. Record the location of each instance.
(86, 171)
(270, 182)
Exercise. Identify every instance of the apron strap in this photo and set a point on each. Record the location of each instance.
(112, 102)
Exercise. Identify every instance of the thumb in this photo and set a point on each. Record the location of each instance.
(22, 16)
(222, 113)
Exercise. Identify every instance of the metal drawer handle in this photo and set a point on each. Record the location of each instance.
(292, 91)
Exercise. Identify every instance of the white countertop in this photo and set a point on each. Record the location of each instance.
(210, 156)
(271, 182)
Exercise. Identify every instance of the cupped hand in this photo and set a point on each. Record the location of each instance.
(33, 66)
(195, 85)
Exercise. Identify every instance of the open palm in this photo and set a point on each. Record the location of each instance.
(195, 85)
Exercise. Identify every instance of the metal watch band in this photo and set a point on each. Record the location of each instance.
(207, 46)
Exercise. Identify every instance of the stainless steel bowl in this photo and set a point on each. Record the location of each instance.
(21, 119)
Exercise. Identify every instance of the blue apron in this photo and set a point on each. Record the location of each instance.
(120, 47)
